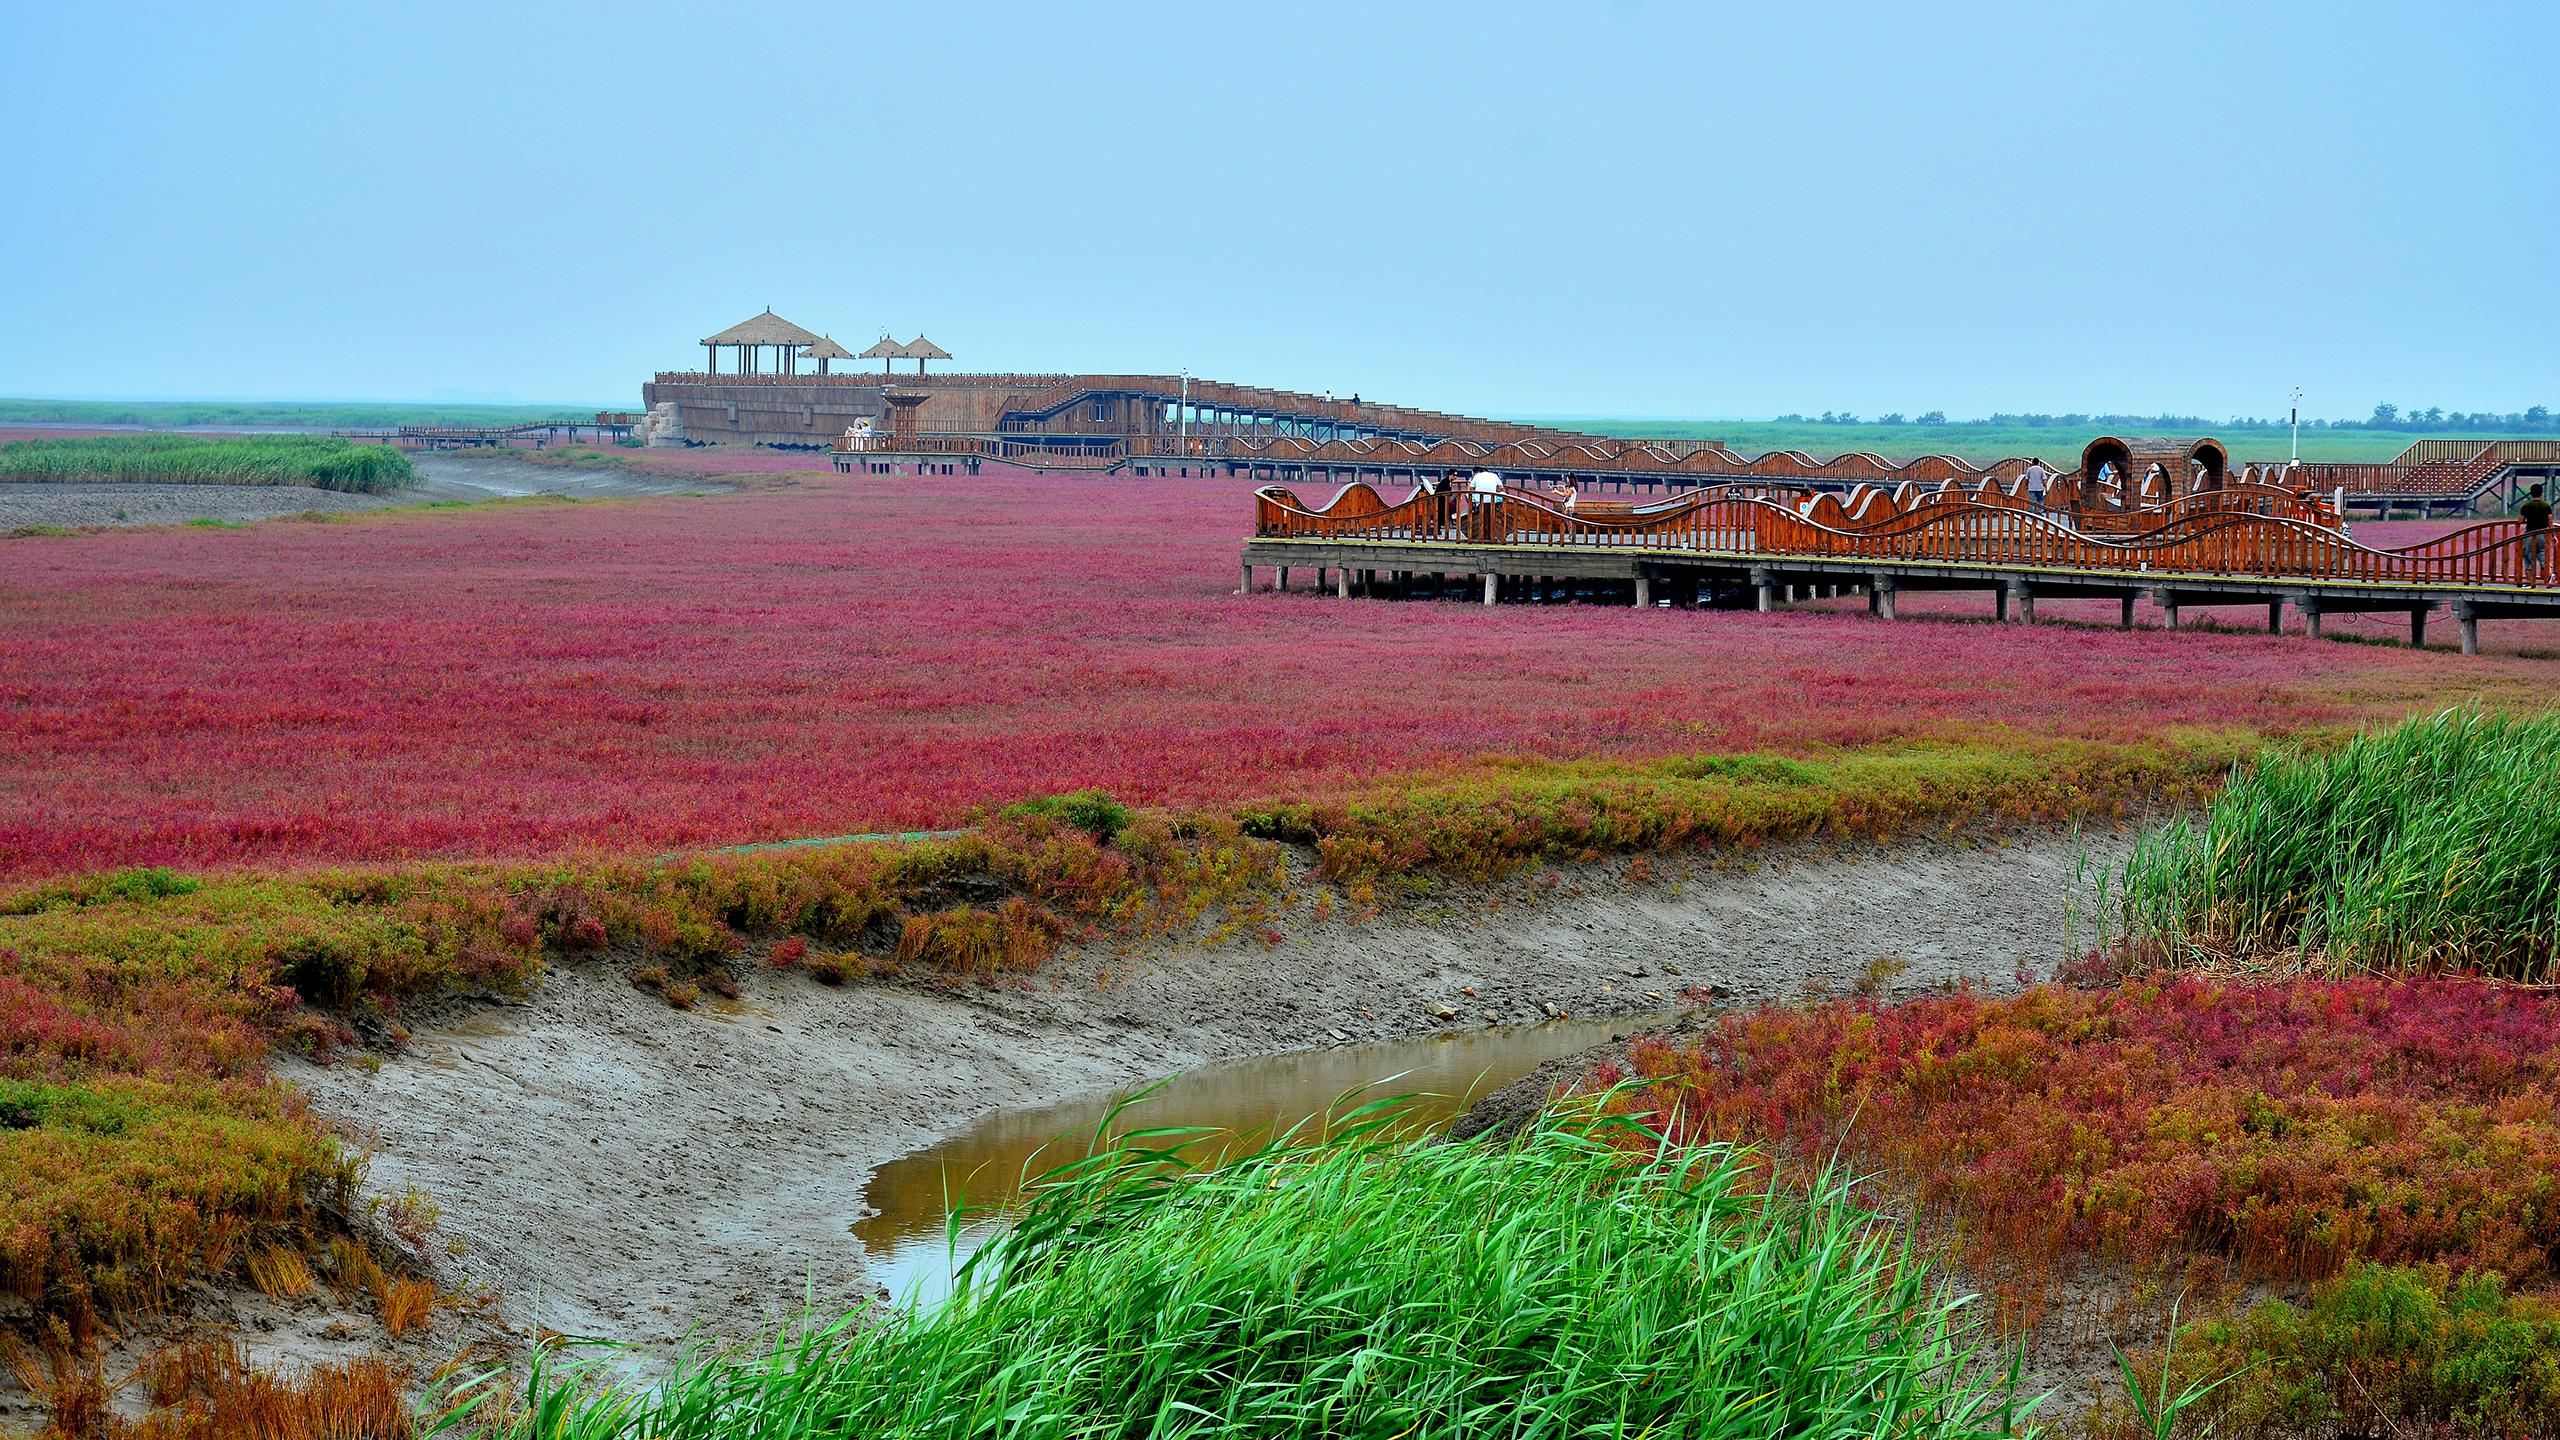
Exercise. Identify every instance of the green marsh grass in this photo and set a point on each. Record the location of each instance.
(2434, 845)
(1586, 1279)
(320, 461)
(1982, 441)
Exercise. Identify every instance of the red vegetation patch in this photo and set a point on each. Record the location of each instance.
(2288, 1128)
(847, 655)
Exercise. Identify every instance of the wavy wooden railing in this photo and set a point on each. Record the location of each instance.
(2194, 541)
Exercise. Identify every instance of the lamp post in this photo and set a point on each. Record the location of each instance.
(1182, 413)
(2297, 424)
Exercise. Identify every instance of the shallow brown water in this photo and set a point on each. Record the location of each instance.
(907, 1239)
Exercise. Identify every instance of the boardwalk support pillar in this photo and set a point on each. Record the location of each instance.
(2000, 604)
(2275, 617)
(1248, 581)
(1283, 585)
(1766, 585)
(2167, 600)
(1342, 583)
(1880, 596)
(1490, 580)
(2418, 626)
(2469, 620)
(2126, 623)
(2309, 605)
(2026, 601)
(1644, 589)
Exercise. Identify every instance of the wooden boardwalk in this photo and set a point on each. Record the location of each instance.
(2244, 544)
(537, 433)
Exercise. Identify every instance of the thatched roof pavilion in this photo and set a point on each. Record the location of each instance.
(756, 334)
(920, 350)
(825, 350)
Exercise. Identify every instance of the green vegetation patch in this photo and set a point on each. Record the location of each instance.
(1507, 815)
(323, 462)
(314, 414)
(1588, 1279)
(2059, 440)
(2431, 845)
(2381, 1350)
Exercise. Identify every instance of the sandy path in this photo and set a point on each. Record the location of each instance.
(624, 1169)
(446, 476)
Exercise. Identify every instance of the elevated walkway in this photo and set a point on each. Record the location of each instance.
(2251, 545)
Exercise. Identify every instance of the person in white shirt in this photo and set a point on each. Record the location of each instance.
(1486, 484)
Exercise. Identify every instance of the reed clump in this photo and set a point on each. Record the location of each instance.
(2431, 846)
(321, 461)
(1589, 1278)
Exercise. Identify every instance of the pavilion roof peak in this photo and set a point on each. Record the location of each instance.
(884, 349)
(922, 349)
(826, 348)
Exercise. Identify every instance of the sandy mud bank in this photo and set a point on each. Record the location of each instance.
(622, 1169)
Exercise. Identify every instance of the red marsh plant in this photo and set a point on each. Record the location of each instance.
(2289, 1129)
(853, 656)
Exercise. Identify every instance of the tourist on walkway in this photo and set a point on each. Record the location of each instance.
(2536, 514)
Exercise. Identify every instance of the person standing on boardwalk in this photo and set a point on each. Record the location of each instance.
(2535, 512)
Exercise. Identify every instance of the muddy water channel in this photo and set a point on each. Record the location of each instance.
(908, 1238)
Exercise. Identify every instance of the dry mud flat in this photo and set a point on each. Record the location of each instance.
(442, 476)
(617, 1168)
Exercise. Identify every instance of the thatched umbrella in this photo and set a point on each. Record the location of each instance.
(825, 350)
(883, 350)
(920, 350)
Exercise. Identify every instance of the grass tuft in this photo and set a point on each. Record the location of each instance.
(1587, 1279)
(2434, 845)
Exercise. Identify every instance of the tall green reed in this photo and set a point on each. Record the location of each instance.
(2432, 845)
(321, 461)
(1589, 1279)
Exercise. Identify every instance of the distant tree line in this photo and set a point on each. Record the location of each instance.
(2385, 417)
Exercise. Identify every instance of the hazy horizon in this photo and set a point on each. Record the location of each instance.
(1620, 211)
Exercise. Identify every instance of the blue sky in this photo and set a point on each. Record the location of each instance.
(1556, 209)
